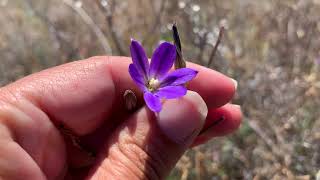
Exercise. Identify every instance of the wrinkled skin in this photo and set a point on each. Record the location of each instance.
(86, 97)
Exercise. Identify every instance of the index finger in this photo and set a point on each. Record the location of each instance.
(83, 94)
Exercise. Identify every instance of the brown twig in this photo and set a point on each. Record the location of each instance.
(215, 48)
(156, 23)
(63, 46)
(202, 45)
(89, 21)
(108, 11)
(278, 153)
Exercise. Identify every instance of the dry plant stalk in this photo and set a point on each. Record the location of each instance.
(215, 48)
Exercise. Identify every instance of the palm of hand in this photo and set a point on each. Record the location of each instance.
(86, 97)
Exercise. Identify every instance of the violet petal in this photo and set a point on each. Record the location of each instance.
(171, 92)
(162, 60)
(139, 58)
(152, 101)
(179, 77)
(137, 77)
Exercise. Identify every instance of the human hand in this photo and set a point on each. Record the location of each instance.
(87, 98)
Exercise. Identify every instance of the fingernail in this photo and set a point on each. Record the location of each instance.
(237, 109)
(182, 119)
(235, 83)
(236, 106)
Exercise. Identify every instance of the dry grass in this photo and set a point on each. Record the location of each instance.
(270, 47)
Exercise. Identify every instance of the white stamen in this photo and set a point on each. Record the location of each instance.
(153, 84)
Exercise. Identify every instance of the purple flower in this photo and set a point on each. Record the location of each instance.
(154, 79)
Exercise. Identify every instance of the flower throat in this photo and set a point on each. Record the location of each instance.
(153, 84)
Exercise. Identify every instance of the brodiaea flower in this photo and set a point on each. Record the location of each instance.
(153, 79)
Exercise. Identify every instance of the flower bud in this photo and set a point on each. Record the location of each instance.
(179, 62)
(130, 100)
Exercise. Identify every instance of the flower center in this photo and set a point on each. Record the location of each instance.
(153, 84)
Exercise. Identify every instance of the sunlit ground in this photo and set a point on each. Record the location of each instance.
(270, 47)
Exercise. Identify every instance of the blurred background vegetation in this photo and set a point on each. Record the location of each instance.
(271, 47)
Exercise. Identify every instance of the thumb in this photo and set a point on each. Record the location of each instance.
(148, 145)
